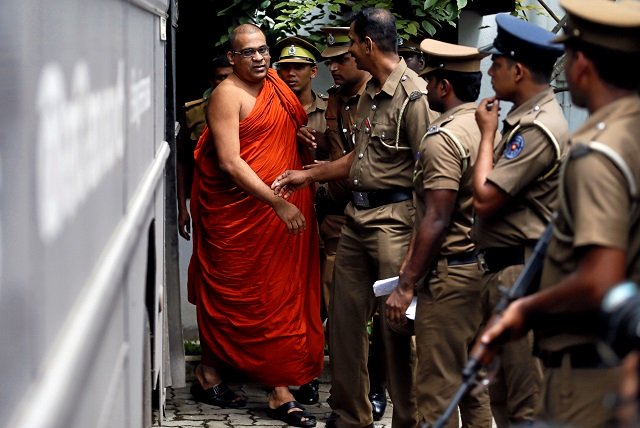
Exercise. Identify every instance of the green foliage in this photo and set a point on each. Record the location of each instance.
(192, 347)
(415, 18)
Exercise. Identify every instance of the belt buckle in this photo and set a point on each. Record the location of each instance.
(361, 199)
(482, 263)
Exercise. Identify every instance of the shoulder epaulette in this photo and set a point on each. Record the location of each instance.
(194, 102)
(462, 151)
(531, 119)
(580, 150)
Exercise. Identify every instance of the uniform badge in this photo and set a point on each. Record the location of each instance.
(331, 39)
(292, 50)
(514, 147)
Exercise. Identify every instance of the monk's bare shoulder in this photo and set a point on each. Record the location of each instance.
(233, 95)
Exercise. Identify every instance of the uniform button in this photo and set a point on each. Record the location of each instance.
(451, 117)
(536, 108)
(347, 108)
(403, 78)
(355, 182)
(600, 126)
(374, 107)
(360, 155)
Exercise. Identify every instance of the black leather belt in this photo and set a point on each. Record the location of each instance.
(377, 198)
(496, 259)
(584, 356)
(461, 259)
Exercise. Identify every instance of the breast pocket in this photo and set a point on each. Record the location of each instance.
(383, 141)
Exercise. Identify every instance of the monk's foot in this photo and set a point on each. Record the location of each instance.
(208, 388)
(282, 406)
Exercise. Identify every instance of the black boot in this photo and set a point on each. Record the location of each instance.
(307, 393)
(378, 398)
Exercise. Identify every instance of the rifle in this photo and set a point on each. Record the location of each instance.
(481, 355)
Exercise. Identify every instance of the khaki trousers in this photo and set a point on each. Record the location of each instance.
(372, 246)
(330, 231)
(448, 317)
(516, 387)
(580, 398)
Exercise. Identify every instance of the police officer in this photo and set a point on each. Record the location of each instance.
(193, 122)
(341, 109)
(297, 66)
(410, 51)
(596, 239)
(514, 188)
(392, 116)
(448, 315)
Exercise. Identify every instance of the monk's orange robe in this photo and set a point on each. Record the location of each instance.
(255, 286)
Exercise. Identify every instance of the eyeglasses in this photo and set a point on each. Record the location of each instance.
(251, 52)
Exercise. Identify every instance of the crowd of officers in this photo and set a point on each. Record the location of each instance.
(416, 179)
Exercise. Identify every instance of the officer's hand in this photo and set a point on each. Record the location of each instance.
(511, 325)
(487, 115)
(184, 224)
(290, 181)
(306, 137)
(397, 304)
(290, 216)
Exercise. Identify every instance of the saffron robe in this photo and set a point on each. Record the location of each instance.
(256, 287)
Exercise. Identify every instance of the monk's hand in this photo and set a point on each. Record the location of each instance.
(306, 137)
(397, 304)
(316, 163)
(290, 181)
(487, 115)
(290, 216)
(184, 224)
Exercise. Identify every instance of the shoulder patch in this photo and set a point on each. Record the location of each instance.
(514, 147)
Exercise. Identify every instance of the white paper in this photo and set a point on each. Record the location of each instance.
(383, 287)
(411, 310)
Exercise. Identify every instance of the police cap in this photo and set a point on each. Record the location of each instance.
(524, 42)
(447, 56)
(408, 47)
(337, 40)
(295, 49)
(603, 23)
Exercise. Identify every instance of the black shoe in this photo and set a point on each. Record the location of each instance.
(378, 398)
(308, 393)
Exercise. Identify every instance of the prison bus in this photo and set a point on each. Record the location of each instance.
(87, 218)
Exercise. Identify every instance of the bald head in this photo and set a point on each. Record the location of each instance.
(242, 29)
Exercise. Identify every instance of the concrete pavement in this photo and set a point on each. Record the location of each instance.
(182, 411)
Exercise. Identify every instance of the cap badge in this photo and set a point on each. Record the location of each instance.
(400, 41)
(292, 50)
(331, 39)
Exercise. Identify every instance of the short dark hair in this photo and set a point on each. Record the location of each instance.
(379, 25)
(217, 62)
(613, 66)
(466, 85)
(540, 70)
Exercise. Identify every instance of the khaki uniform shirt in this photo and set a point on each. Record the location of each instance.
(340, 115)
(316, 112)
(598, 201)
(381, 162)
(439, 166)
(520, 160)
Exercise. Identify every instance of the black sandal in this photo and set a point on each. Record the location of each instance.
(308, 393)
(219, 395)
(292, 417)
